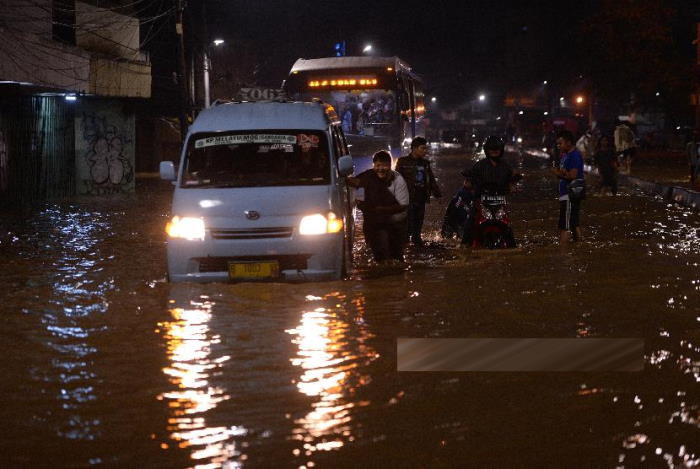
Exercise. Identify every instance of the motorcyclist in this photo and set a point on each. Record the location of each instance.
(490, 175)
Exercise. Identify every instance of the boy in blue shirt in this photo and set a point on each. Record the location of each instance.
(570, 168)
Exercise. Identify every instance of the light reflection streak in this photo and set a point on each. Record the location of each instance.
(74, 237)
(192, 364)
(331, 352)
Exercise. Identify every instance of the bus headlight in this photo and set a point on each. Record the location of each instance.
(189, 228)
(317, 224)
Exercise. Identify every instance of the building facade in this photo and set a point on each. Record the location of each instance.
(71, 75)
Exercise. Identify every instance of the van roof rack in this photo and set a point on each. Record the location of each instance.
(219, 102)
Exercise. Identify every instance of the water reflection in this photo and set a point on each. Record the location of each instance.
(333, 351)
(192, 365)
(69, 240)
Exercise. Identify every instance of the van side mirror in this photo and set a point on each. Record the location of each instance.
(167, 171)
(345, 165)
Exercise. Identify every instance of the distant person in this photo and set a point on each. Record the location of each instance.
(421, 182)
(347, 120)
(625, 145)
(693, 152)
(383, 208)
(570, 168)
(606, 162)
(587, 145)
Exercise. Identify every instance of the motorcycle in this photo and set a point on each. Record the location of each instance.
(492, 228)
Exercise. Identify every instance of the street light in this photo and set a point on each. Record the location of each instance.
(207, 66)
(544, 82)
(367, 49)
(482, 97)
(579, 99)
(433, 99)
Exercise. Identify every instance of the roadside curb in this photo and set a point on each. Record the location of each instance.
(679, 195)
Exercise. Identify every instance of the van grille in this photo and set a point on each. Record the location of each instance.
(253, 233)
(220, 264)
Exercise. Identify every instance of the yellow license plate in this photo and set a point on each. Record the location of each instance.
(240, 270)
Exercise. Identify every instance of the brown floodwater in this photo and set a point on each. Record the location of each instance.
(105, 363)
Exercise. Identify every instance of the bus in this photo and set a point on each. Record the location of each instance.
(379, 100)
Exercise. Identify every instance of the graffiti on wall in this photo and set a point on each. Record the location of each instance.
(110, 168)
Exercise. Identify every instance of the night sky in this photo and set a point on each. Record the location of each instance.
(460, 47)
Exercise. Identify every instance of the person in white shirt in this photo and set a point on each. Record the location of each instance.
(384, 208)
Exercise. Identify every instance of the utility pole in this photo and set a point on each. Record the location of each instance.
(206, 66)
(182, 73)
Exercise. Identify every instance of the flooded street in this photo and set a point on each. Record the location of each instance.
(104, 362)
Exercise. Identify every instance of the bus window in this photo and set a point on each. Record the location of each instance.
(362, 112)
(373, 97)
(420, 101)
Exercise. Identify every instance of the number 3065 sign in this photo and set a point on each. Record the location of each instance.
(259, 94)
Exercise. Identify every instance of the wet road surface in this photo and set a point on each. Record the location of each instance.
(104, 363)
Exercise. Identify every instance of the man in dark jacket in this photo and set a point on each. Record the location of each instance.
(383, 208)
(421, 182)
(492, 174)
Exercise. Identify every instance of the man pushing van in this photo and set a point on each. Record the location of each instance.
(383, 208)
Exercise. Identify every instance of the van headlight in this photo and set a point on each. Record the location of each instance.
(189, 228)
(317, 224)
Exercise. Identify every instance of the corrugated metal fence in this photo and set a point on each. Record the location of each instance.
(37, 148)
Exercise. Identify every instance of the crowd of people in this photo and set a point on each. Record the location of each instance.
(394, 201)
(357, 112)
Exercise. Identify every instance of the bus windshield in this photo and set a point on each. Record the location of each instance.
(249, 159)
(370, 112)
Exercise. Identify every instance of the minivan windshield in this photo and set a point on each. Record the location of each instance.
(257, 158)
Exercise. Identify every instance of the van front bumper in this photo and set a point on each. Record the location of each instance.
(299, 258)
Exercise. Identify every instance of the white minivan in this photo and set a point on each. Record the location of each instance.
(260, 193)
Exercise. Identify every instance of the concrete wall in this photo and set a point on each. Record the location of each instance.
(29, 16)
(28, 54)
(110, 78)
(100, 30)
(104, 148)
